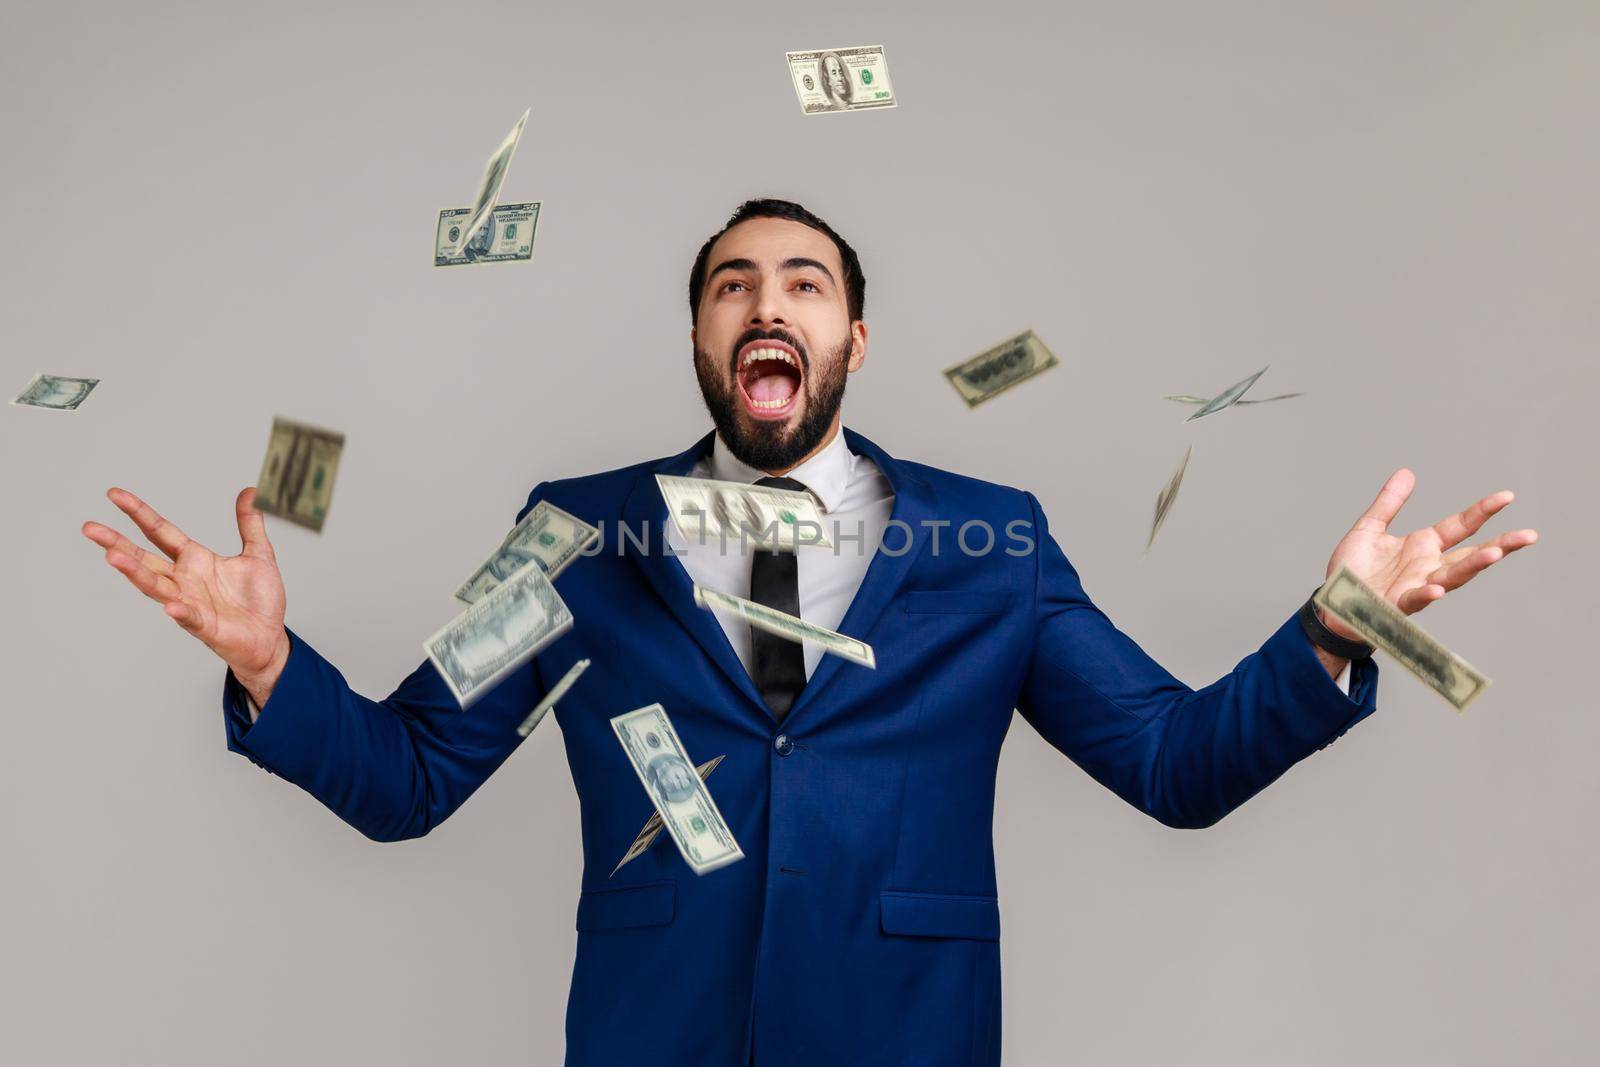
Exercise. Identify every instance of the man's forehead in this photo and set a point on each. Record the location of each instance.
(769, 241)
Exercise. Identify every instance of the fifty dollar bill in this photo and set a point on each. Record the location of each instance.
(785, 625)
(1167, 496)
(841, 79)
(546, 535)
(494, 176)
(680, 797)
(1380, 623)
(997, 369)
(500, 633)
(1227, 398)
(55, 393)
(296, 480)
(652, 827)
(705, 507)
(557, 691)
(508, 235)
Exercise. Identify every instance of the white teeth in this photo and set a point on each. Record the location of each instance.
(767, 353)
(769, 403)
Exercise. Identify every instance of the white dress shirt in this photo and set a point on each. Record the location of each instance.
(855, 499)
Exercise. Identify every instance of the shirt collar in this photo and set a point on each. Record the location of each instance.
(826, 474)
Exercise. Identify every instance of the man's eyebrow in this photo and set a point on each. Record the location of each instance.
(731, 264)
(797, 262)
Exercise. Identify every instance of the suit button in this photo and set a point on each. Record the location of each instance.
(783, 745)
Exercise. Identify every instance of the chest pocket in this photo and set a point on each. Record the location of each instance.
(956, 601)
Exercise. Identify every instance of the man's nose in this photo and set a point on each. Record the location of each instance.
(768, 308)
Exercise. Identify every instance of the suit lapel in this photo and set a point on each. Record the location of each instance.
(645, 515)
(913, 502)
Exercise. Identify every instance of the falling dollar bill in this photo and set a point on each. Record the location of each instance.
(1190, 398)
(500, 633)
(652, 826)
(841, 79)
(680, 797)
(785, 625)
(296, 480)
(557, 691)
(1227, 398)
(1165, 498)
(494, 176)
(765, 515)
(508, 235)
(1385, 626)
(546, 535)
(55, 393)
(997, 369)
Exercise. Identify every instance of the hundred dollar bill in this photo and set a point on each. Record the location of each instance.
(785, 625)
(494, 176)
(508, 235)
(1380, 623)
(557, 691)
(652, 826)
(54, 392)
(997, 369)
(705, 507)
(1165, 498)
(1227, 398)
(841, 79)
(296, 480)
(1189, 398)
(478, 648)
(680, 797)
(546, 534)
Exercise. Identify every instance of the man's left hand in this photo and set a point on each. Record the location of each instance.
(1413, 571)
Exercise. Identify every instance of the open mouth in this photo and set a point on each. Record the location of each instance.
(769, 378)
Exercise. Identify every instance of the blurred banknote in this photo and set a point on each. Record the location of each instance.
(557, 691)
(1190, 398)
(498, 634)
(56, 393)
(494, 176)
(997, 369)
(1385, 626)
(704, 507)
(680, 797)
(1165, 498)
(841, 79)
(296, 480)
(653, 825)
(785, 625)
(507, 235)
(1227, 398)
(546, 535)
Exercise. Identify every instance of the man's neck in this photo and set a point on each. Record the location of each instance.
(833, 431)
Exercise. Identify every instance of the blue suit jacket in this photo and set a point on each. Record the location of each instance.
(863, 926)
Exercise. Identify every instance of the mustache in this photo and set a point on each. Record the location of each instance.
(757, 334)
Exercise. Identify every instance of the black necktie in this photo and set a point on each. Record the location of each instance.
(777, 663)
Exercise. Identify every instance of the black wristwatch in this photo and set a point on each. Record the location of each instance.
(1325, 638)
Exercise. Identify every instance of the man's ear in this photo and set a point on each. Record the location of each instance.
(694, 336)
(858, 345)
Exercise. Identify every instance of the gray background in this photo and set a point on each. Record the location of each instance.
(227, 213)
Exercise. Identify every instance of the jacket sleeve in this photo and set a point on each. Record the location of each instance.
(393, 769)
(1185, 757)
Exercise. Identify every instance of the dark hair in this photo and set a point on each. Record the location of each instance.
(855, 283)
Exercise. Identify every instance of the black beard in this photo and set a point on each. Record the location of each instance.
(773, 446)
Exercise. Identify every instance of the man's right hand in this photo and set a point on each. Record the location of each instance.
(234, 604)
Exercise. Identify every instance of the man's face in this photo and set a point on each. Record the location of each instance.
(833, 70)
(773, 340)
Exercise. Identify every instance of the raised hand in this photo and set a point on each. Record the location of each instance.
(234, 604)
(1413, 571)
